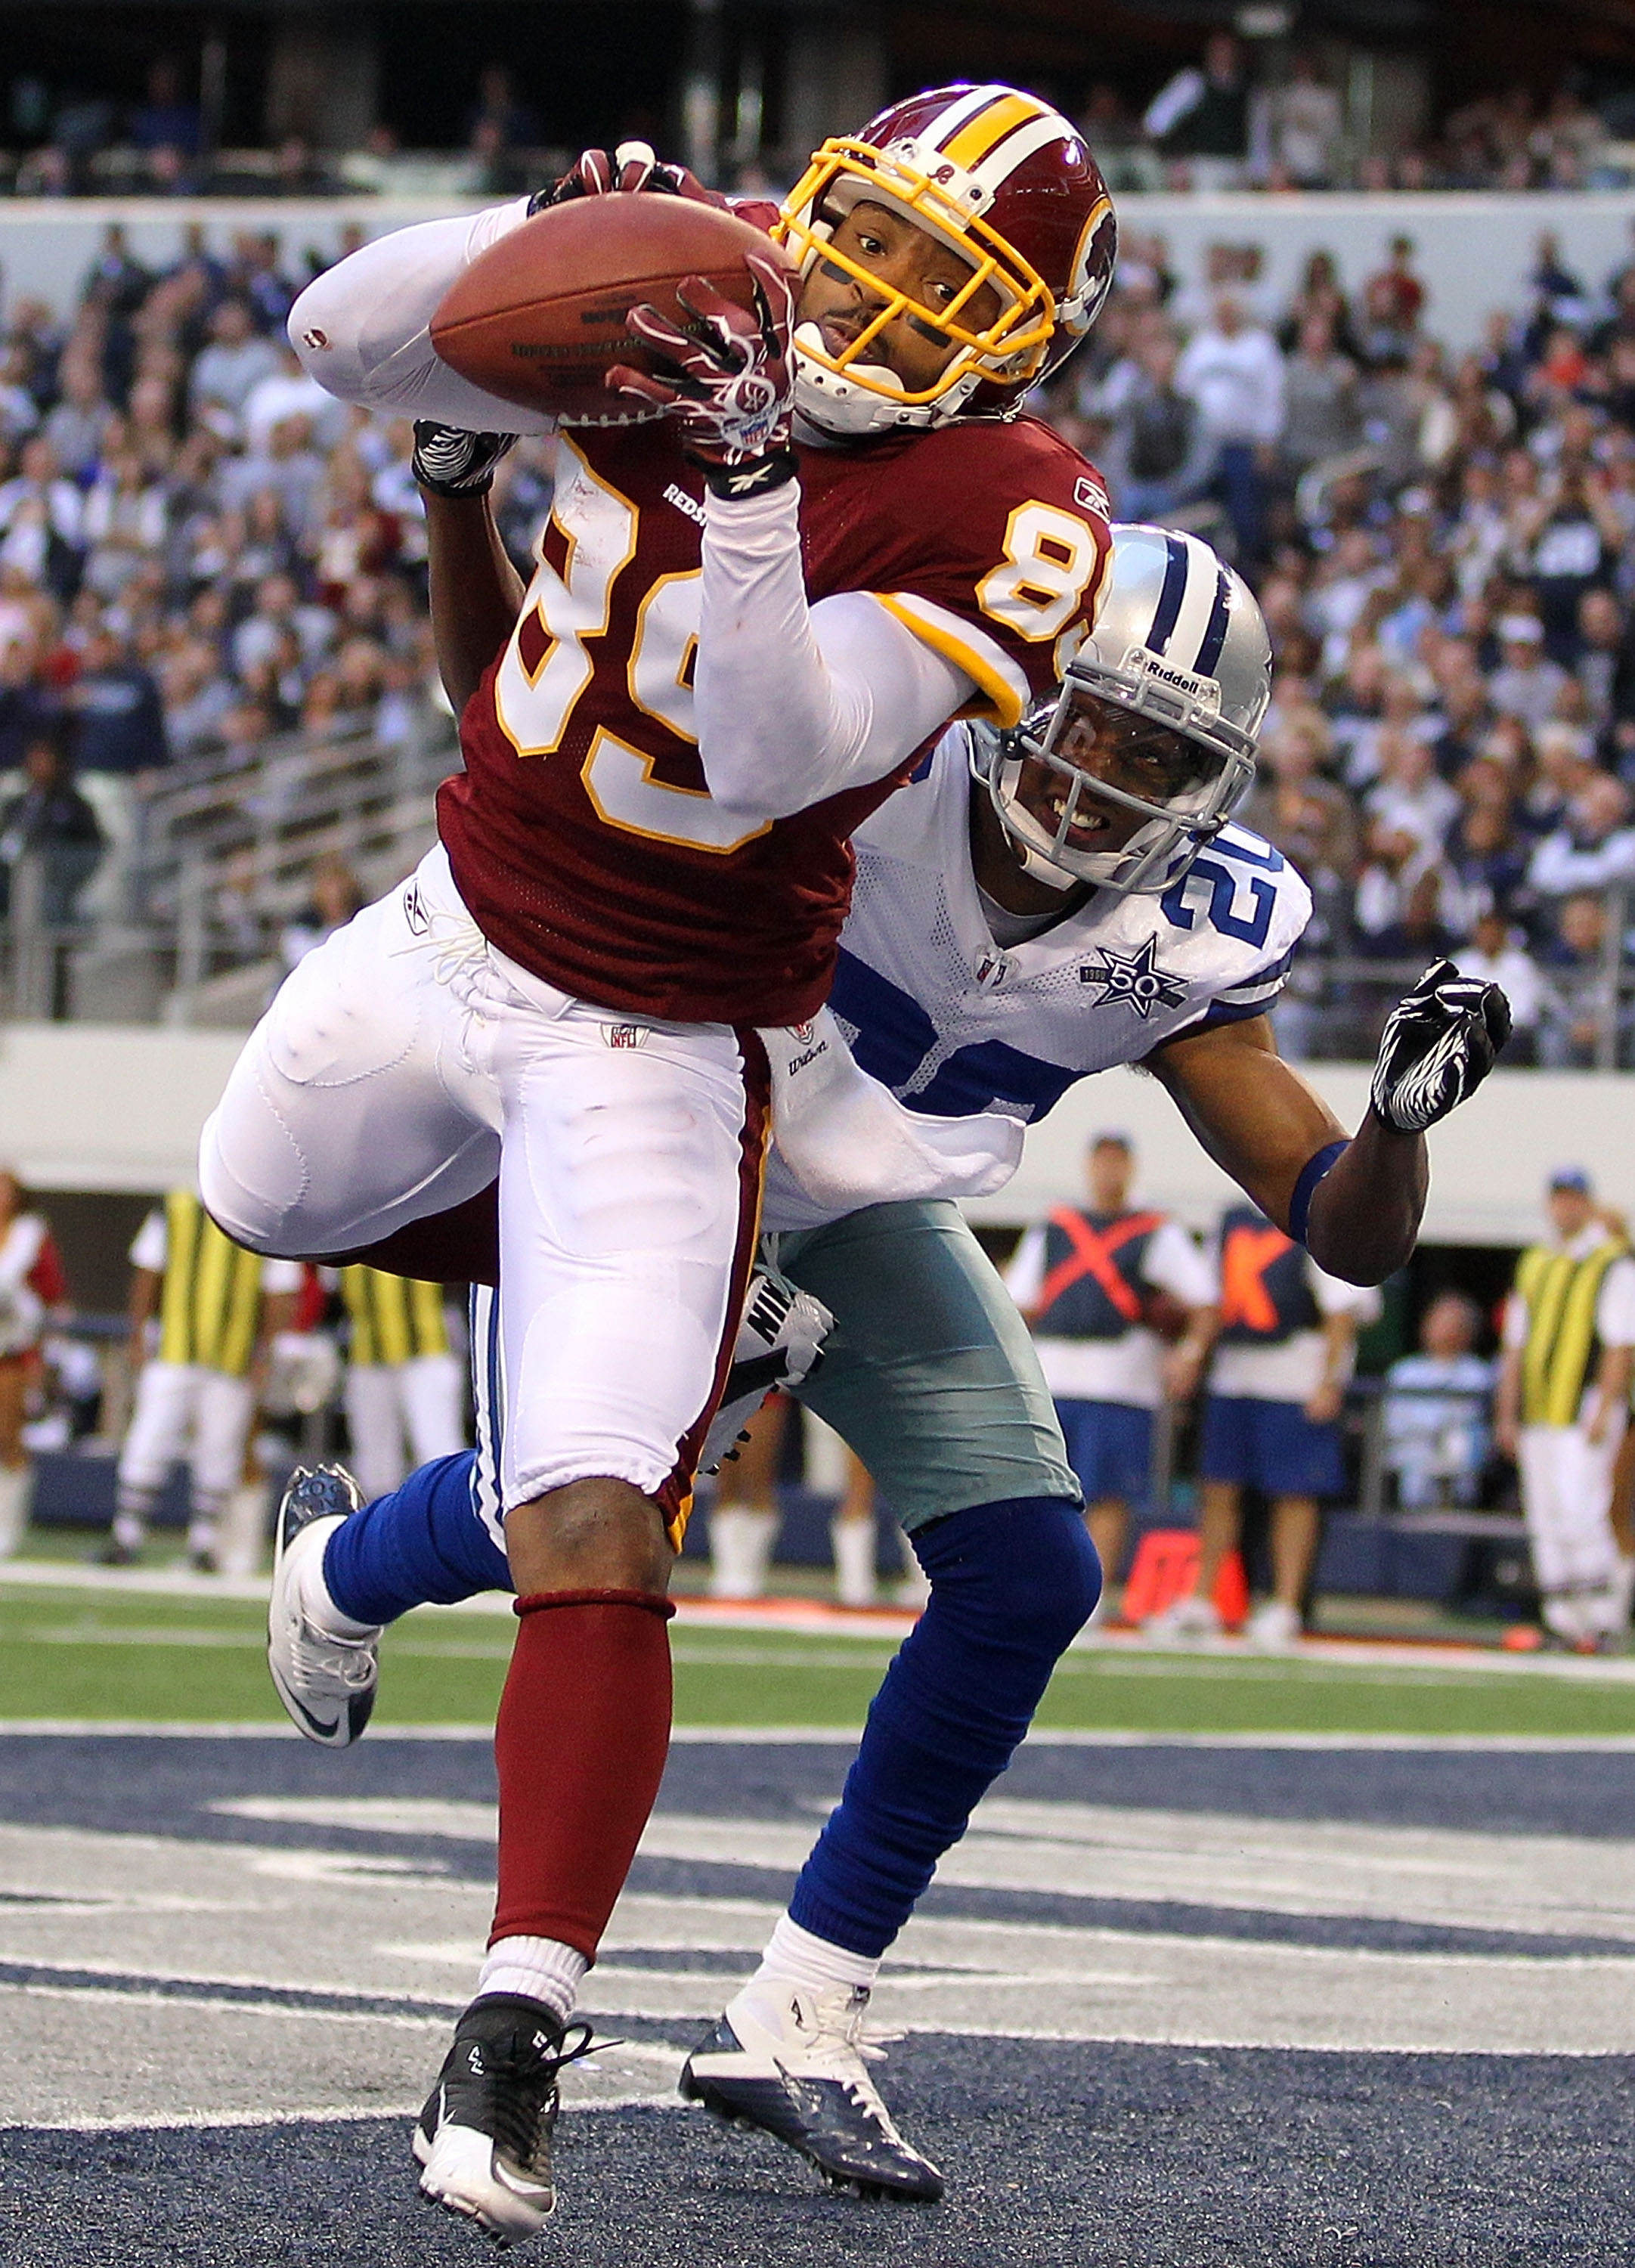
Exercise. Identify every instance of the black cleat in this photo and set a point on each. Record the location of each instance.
(483, 2139)
(796, 2065)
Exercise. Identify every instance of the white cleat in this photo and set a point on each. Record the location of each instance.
(326, 1684)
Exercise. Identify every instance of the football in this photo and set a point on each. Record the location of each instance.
(539, 318)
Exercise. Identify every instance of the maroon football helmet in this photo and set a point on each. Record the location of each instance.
(1011, 185)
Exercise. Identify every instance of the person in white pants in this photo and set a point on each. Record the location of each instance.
(214, 1306)
(1569, 1348)
(405, 1386)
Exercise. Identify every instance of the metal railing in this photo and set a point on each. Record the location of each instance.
(219, 860)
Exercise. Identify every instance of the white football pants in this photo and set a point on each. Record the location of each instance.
(401, 1415)
(182, 1410)
(406, 1060)
(1566, 1493)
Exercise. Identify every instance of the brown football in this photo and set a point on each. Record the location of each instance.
(540, 317)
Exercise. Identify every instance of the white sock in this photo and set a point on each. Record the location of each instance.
(852, 1542)
(741, 1551)
(17, 1484)
(317, 1607)
(794, 1957)
(536, 1969)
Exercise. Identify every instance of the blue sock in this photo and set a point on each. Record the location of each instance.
(422, 1544)
(1011, 1584)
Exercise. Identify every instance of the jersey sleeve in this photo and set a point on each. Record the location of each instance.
(1335, 1297)
(1024, 1277)
(149, 1249)
(1173, 1264)
(1615, 1309)
(362, 327)
(1014, 585)
(1245, 910)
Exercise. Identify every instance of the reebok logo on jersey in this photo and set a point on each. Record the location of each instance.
(1132, 978)
(1092, 496)
(683, 502)
(414, 912)
(625, 1036)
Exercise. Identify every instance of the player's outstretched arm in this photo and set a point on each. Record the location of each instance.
(362, 327)
(476, 593)
(1356, 1205)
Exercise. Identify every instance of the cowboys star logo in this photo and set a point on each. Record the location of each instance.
(1131, 977)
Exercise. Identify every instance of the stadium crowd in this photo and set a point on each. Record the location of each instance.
(1242, 115)
(200, 552)
(1441, 545)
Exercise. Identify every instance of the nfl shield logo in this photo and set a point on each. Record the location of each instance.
(624, 1035)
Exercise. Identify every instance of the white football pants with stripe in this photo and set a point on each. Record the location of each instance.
(376, 1090)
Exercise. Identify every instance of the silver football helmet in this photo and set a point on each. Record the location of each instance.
(1157, 715)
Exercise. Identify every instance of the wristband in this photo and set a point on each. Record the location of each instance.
(1312, 1172)
(748, 479)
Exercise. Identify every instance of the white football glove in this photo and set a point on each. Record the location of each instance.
(1438, 1044)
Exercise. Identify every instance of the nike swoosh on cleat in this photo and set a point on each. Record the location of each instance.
(326, 1732)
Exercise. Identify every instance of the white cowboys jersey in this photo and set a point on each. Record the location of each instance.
(955, 1024)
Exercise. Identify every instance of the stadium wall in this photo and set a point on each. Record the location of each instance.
(1473, 251)
(105, 1108)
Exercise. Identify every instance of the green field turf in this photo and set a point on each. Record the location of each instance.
(88, 1654)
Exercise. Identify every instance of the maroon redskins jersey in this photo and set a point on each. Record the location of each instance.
(582, 834)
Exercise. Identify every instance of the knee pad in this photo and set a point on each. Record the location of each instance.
(1025, 1566)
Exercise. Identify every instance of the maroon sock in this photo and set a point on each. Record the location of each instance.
(583, 1731)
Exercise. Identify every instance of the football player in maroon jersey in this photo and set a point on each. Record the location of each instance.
(767, 581)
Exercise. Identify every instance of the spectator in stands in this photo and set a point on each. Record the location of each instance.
(78, 426)
(1284, 1357)
(1157, 456)
(1435, 1414)
(1572, 540)
(336, 895)
(1092, 1283)
(51, 822)
(1393, 301)
(166, 121)
(1527, 681)
(231, 368)
(1495, 954)
(1200, 118)
(119, 721)
(1605, 668)
(1302, 127)
(1320, 395)
(1593, 848)
(1579, 1025)
(1234, 372)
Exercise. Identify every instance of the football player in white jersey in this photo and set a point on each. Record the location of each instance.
(1035, 907)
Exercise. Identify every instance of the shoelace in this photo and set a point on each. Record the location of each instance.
(525, 2093)
(840, 2026)
(319, 1654)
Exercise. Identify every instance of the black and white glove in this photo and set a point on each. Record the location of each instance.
(728, 379)
(1438, 1044)
(449, 462)
(631, 168)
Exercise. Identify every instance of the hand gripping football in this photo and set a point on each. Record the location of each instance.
(540, 317)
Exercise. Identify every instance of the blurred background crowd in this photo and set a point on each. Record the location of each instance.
(208, 570)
